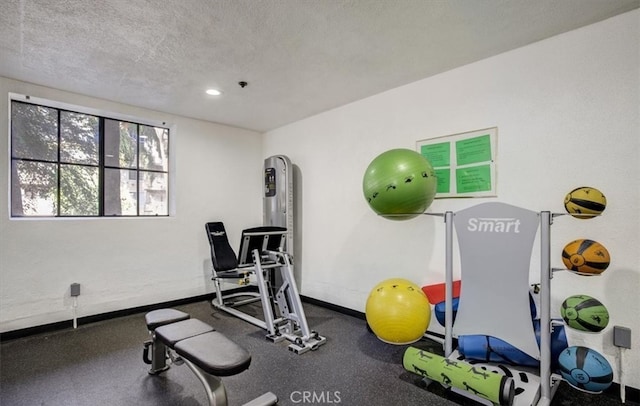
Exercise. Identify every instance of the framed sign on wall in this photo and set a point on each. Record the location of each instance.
(465, 163)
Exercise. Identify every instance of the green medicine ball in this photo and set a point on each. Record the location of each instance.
(399, 184)
(584, 313)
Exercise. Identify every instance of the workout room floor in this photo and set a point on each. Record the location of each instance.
(101, 363)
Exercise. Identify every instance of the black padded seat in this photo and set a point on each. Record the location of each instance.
(157, 318)
(170, 334)
(235, 274)
(214, 353)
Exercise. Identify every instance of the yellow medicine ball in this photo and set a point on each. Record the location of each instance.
(585, 202)
(398, 311)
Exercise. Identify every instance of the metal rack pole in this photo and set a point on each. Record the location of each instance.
(545, 308)
(448, 318)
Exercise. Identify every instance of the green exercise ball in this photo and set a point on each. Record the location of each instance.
(399, 184)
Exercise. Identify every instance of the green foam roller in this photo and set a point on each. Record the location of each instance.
(495, 387)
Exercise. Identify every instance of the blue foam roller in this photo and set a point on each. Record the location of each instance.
(492, 349)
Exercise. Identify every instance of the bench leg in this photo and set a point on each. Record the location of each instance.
(216, 393)
(158, 356)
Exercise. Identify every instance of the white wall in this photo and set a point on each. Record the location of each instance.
(123, 263)
(567, 115)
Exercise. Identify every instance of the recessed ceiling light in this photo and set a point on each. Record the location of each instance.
(214, 92)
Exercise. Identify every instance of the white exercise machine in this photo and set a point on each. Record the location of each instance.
(262, 256)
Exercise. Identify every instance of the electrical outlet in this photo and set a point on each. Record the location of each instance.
(75, 289)
(622, 337)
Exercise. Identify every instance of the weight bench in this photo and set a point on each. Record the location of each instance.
(208, 353)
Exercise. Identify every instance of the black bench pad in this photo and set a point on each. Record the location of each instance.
(214, 353)
(172, 333)
(157, 318)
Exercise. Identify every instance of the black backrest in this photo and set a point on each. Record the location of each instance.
(263, 238)
(222, 255)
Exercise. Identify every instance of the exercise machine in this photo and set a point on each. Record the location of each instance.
(178, 339)
(261, 254)
(495, 243)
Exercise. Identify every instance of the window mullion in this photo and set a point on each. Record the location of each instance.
(101, 163)
(58, 166)
(138, 171)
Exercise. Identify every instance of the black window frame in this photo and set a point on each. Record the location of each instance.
(101, 166)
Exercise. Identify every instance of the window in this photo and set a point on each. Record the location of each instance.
(71, 164)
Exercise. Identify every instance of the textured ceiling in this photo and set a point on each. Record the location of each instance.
(299, 57)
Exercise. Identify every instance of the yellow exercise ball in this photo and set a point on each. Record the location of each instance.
(398, 311)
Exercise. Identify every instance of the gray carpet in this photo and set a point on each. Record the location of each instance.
(101, 363)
